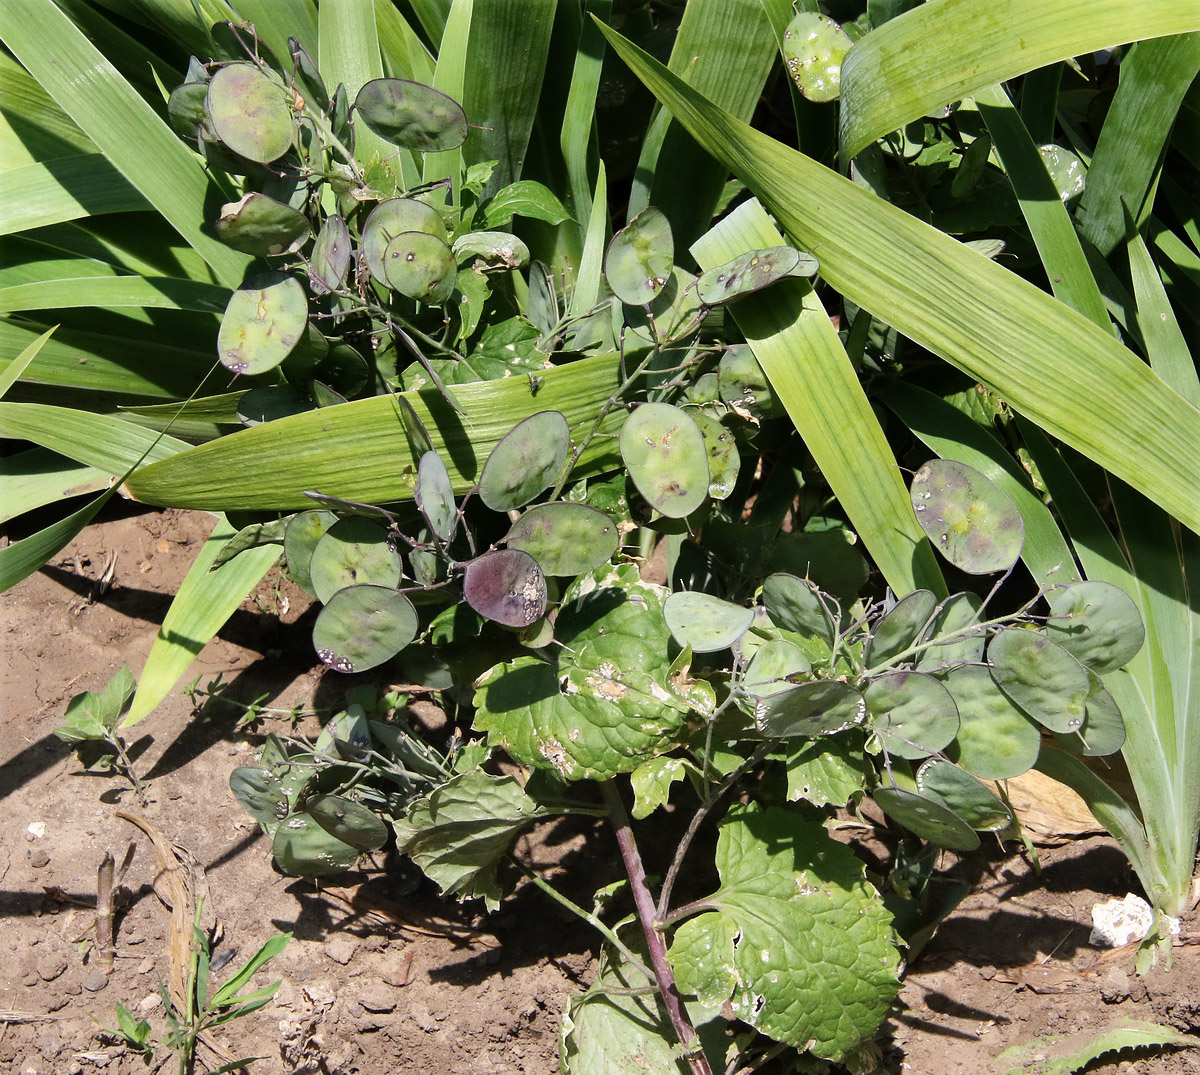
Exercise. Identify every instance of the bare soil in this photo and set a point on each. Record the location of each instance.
(363, 990)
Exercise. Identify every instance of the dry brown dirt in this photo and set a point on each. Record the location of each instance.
(362, 992)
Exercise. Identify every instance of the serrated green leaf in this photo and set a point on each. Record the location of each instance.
(805, 942)
(827, 772)
(652, 782)
(1064, 1054)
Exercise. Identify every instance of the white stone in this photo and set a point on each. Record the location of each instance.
(1117, 922)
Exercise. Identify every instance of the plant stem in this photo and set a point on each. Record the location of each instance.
(105, 950)
(655, 946)
(587, 916)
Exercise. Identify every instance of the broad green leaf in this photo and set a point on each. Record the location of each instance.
(162, 293)
(123, 126)
(67, 188)
(898, 72)
(13, 371)
(37, 477)
(826, 772)
(651, 782)
(92, 714)
(459, 833)
(799, 942)
(360, 450)
(95, 439)
(43, 131)
(603, 704)
(205, 600)
(1063, 1054)
(22, 558)
(1048, 361)
(799, 350)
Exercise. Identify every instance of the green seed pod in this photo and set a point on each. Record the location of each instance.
(361, 626)
(565, 539)
(814, 47)
(744, 387)
(1103, 729)
(965, 795)
(723, 459)
(972, 522)
(391, 218)
(705, 623)
(673, 314)
(186, 113)
(500, 249)
(420, 266)
(1041, 677)
(956, 613)
(265, 319)
(506, 586)
(640, 258)
(795, 605)
(299, 541)
(750, 272)
(1097, 623)
(306, 77)
(996, 740)
(822, 707)
(329, 261)
(250, 112)
(912, 713)
(303, 849)
(667, 460)
(928, 818)
(260, 225)
(900, 628)
(434, 496)
(412, 115)
(1066, 171)
(351, 552)
(527, 460)
(351, 822)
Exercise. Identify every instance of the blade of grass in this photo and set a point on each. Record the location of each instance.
(275, 22)
(360, 450)
(724, 49)
(586, 292)
(1166, 348)
(125, 128)
(898, 72)
(1049, 362)
(97, 440)
(577, 127)
(1049, 222)
(160, 293)
(43, 131)
(403, 53)
(202, 606)
(449, 76)
(51, 192)
(1154, 77)
(799, 350)
(37, 477)
(22, 558)
(12, 372)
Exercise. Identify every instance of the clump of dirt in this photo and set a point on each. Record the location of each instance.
(381, 975)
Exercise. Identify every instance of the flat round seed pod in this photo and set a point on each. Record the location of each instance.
(900, 627)
(391, 218)
(435, 496)
(186, 113)
(250, 113)
(742, 384)
(303, 849)
(412, 115)
(1097, 623)
(724, 462)
(506, 586)
(259, 225)
(773, 662)
(265, 319)
(667, 460)
(821, 707)
(299, 540)
(640, 258)
(526, 461)
(362, 626)
(351, 822)
(996, 740)
(971, 521)
(956, 613)
(746, 274)
(565, 539)
(498, 248)
(704, 622)
(813, 49)
(420, 266)
(329, 261)
(353, 551)
(912, 713)
(793, 604)
(1103, 729)
(928, 818)
(1041, 677)
(966, 796)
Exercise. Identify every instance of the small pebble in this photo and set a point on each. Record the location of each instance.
(50, 968)
(39, 858)
(341, 948)
(94, 981)
(377, 998)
